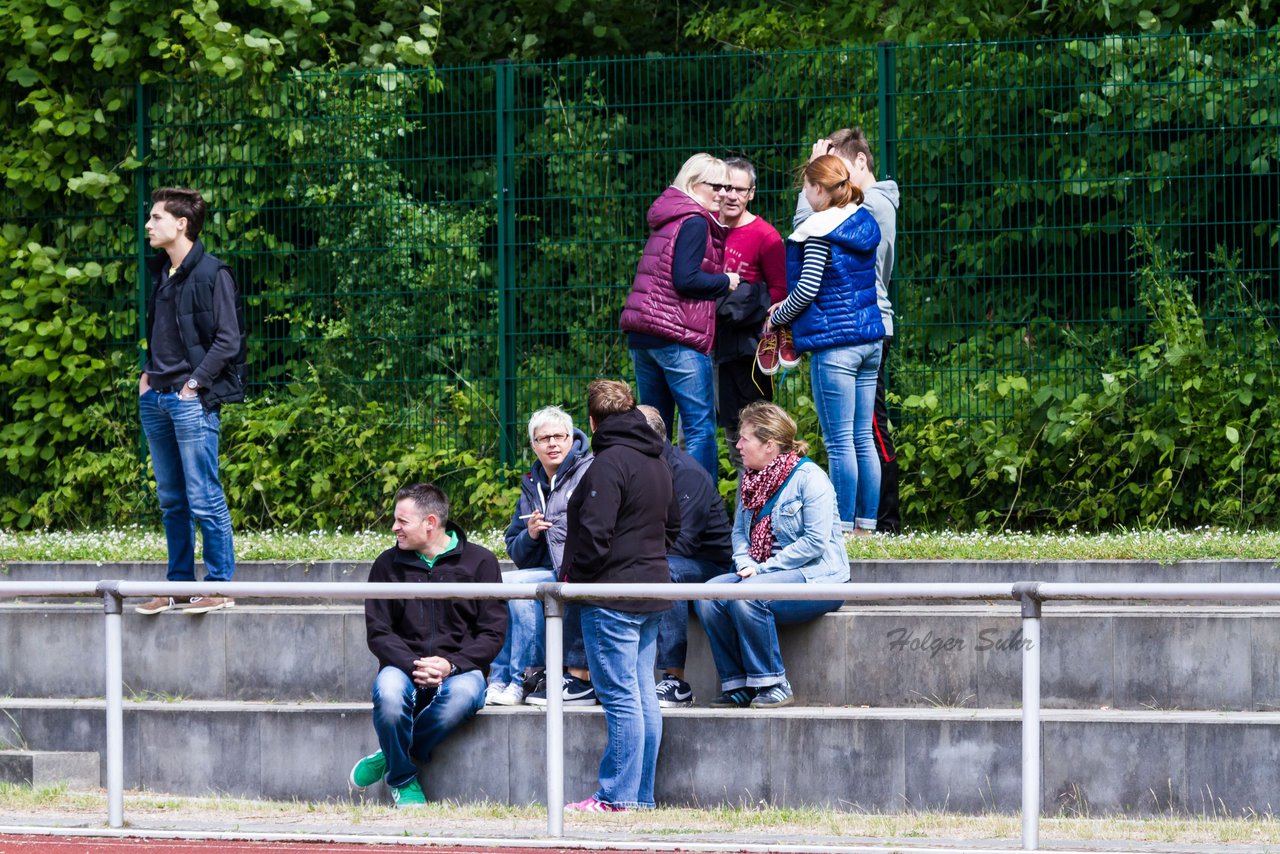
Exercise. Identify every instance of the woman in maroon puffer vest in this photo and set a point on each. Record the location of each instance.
(670, 313)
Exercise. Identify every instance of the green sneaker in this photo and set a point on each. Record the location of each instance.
(369, 770)
(408, 795)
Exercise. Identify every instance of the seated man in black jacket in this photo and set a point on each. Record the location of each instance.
(433, 654)
(703, 550)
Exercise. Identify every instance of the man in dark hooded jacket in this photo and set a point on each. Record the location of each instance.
(623, 517)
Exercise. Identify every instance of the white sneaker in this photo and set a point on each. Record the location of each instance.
(506, 695)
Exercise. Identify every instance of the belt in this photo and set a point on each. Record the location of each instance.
(166, 389)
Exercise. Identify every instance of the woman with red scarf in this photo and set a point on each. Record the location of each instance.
(786, 530)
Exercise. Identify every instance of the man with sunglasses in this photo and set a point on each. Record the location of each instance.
(754, 250)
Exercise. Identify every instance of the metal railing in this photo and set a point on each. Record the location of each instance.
(1031, 594)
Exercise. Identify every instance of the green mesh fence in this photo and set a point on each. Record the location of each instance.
(456, 245)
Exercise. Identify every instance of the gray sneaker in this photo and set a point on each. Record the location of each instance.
(774, 697)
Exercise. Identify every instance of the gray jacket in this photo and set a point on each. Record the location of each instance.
(539, 493)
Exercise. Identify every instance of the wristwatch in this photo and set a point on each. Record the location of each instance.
(192, 384)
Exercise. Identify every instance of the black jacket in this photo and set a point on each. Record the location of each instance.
(705, 532)
(740, 318)
(469, 633)
(623, 517)
(215, 345)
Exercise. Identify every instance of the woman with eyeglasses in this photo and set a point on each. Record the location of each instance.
(670, 313)
(834, 315)
(535, 542)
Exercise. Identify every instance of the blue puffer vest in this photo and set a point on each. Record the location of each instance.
(845, 312)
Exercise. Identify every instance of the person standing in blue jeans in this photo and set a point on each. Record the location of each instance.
(535, 543)
(623, 517)
(195, 363)
(670, 313)
(432, 653)
(786, 531)
(834, 315)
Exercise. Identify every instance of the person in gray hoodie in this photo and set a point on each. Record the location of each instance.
(881, 198)
(535, 542)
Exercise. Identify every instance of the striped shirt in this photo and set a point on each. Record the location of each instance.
(817, 254)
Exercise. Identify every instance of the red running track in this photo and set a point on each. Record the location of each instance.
(90, 845)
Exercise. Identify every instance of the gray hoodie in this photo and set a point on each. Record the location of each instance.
(881, 199)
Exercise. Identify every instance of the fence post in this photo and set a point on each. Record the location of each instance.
(504, 86)
(887, 55)
(142, 141)
(888, 88)
(1028, 595)
(113, 606)
(554, 609)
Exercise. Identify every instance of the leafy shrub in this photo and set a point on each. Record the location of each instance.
(1179, 432)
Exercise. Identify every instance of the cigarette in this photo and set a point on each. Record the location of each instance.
(527, 515)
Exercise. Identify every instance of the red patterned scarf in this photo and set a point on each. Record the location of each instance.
(757, 488)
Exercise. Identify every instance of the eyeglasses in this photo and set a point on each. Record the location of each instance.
(741, 191)
(552, 438)
(718, 188)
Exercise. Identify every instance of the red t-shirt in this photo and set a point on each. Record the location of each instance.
(755, 252)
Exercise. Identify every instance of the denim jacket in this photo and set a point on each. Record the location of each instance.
(806, 527)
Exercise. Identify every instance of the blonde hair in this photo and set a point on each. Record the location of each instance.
(701, 168)
(830, 173)
(771, 423)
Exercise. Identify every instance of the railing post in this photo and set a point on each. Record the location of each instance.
(113, 605)
(506, 178)
(1028, 595)
(549, 593)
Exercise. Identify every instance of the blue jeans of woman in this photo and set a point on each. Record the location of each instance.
(679, 377)
(410, 721)
(844, 393)
(183, 440)
(743, 633)
(621, 647)
(526, 630)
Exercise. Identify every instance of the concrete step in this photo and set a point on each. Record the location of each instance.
(871, 571)
(1131, 657)
(968, 761)
(38, 768)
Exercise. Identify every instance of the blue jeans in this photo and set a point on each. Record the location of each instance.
(575, 648)
(743, 633)
(183, 440)
(410, 721)
(680, 377)
(844, 393)
(526, 630)
(622, 647)
(673, 627)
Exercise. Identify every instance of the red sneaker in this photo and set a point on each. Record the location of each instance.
(787, 354)
(767, 354)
